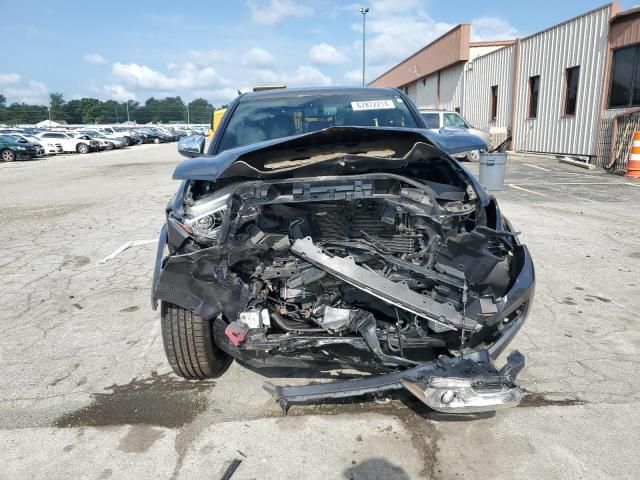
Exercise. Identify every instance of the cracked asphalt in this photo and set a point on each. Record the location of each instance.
(86, 392)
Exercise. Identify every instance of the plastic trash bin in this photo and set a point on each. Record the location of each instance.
(492, 167)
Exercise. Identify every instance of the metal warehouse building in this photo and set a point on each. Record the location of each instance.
(569, 89)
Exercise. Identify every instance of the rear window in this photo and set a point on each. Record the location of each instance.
(267, 118)
(431, 119)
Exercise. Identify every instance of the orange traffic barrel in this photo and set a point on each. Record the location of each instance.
(633, 165)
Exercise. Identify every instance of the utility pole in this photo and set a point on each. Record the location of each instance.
(364, 12)
(127, 111)
(49, 108)
(188, 119)
(117, 113)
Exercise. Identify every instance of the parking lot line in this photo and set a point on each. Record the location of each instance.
(578, 183)
(632, 184)
(525, 189)
(538, 167)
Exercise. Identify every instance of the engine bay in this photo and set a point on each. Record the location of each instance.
(381, 264)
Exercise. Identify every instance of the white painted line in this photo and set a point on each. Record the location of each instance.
(526, 190)
(632, 184)
(579, 183)
(536, 166)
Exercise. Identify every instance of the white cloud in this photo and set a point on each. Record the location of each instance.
(9, 79)
(217, 96)
(94, 59)
(204, 58)
(266, 75)
(492, 28)
(394, 37)
(302, 76)
(354, 76)
(272, 12)
(188, 77)
(325, 54)
(305, 76)
(257, 57)
(397, 29)
(118, 92)
(17, 89)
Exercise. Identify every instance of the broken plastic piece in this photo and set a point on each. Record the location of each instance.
(122, 248)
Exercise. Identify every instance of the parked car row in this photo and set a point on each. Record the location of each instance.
(31, 142)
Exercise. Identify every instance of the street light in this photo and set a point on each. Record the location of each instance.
(364, 12)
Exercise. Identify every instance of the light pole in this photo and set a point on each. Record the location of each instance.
(364, 12)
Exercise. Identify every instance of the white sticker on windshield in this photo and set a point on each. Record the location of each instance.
(372, 105)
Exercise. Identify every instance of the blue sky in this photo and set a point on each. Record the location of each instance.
(133, 49)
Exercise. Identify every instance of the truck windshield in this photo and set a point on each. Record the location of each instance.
(266, 118)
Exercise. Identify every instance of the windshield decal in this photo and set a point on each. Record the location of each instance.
(372, 105)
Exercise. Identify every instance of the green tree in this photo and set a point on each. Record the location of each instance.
(3, 108)
(200, 111)
(56, 104)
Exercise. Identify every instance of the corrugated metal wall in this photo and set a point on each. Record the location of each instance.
(495, 68)
(427, 91)
(451, 85)
(583, 42)
(412, 91)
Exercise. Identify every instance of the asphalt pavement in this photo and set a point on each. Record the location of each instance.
(86, 392)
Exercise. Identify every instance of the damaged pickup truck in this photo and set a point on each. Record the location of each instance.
(360, 244)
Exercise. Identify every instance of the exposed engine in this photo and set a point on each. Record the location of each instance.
(377, 264)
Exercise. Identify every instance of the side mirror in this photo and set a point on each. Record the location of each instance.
(191, 146)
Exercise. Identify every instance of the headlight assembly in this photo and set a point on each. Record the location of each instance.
(203, 221)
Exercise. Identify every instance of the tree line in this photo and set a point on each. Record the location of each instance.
(95, 111)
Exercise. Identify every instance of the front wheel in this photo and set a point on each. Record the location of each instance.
(188, 344)
(473, 156)
(7, 156)
(156, 141)
(82, 148)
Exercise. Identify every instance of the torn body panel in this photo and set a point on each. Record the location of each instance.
(399, 265)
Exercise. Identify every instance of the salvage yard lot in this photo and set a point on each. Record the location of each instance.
(86, 391)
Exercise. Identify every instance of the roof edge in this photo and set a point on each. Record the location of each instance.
(448, 32)
(611, 5)
(493, 43)
(620, 15)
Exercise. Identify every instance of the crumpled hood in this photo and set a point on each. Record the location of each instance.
(334, 140)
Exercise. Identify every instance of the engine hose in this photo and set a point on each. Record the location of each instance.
(287, 326)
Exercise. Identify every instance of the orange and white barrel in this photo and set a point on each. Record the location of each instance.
(633, 165)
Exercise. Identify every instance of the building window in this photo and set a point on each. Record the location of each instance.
(493, 103)
(571, 76)
(625, 78)
(534, 90)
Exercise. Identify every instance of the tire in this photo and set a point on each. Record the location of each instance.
(129, 141)
(473, 156)
(156, 141)
(7, 156)
(188, 344)
(110, 146)
(82, 148)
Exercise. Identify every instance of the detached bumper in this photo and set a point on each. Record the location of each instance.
(466, 384)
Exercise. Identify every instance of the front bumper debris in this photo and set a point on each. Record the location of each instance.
(466, 384)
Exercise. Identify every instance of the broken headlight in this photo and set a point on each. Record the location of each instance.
(203, 220)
